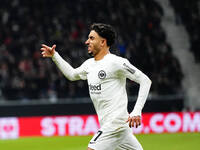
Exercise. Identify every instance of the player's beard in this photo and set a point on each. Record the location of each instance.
(92, 52)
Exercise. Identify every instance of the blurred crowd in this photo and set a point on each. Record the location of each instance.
(188, 13)
(26, 24)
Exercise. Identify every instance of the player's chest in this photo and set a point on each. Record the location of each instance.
(99, 74)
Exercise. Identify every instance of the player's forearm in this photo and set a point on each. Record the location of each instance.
(145, 84)
(66, 68)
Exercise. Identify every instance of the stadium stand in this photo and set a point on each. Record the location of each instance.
(188, 13)
(25, 25)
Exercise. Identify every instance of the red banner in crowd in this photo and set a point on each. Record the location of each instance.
(14, 127)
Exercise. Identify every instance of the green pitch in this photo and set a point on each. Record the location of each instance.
(178, 141)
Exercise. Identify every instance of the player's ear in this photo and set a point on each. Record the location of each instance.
(103, 42)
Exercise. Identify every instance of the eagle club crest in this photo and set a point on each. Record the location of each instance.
(102, 74)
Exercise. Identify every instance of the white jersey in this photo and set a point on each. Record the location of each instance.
(107, 87)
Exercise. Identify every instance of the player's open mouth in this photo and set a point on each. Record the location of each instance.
(89, 52)
(89, 48)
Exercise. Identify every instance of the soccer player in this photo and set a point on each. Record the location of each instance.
(106, 75)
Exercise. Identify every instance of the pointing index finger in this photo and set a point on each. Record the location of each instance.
(42, 49)
(45, 46)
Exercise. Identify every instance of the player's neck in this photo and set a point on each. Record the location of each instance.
(101, 54)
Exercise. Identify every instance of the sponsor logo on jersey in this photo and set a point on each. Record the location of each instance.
(95, 89)
(129, 69)
(102, 74)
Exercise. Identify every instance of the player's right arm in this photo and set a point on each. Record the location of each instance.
(68, 71)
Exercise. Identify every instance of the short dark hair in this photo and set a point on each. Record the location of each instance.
(105, 31)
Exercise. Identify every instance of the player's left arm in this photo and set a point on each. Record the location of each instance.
(139, 77)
